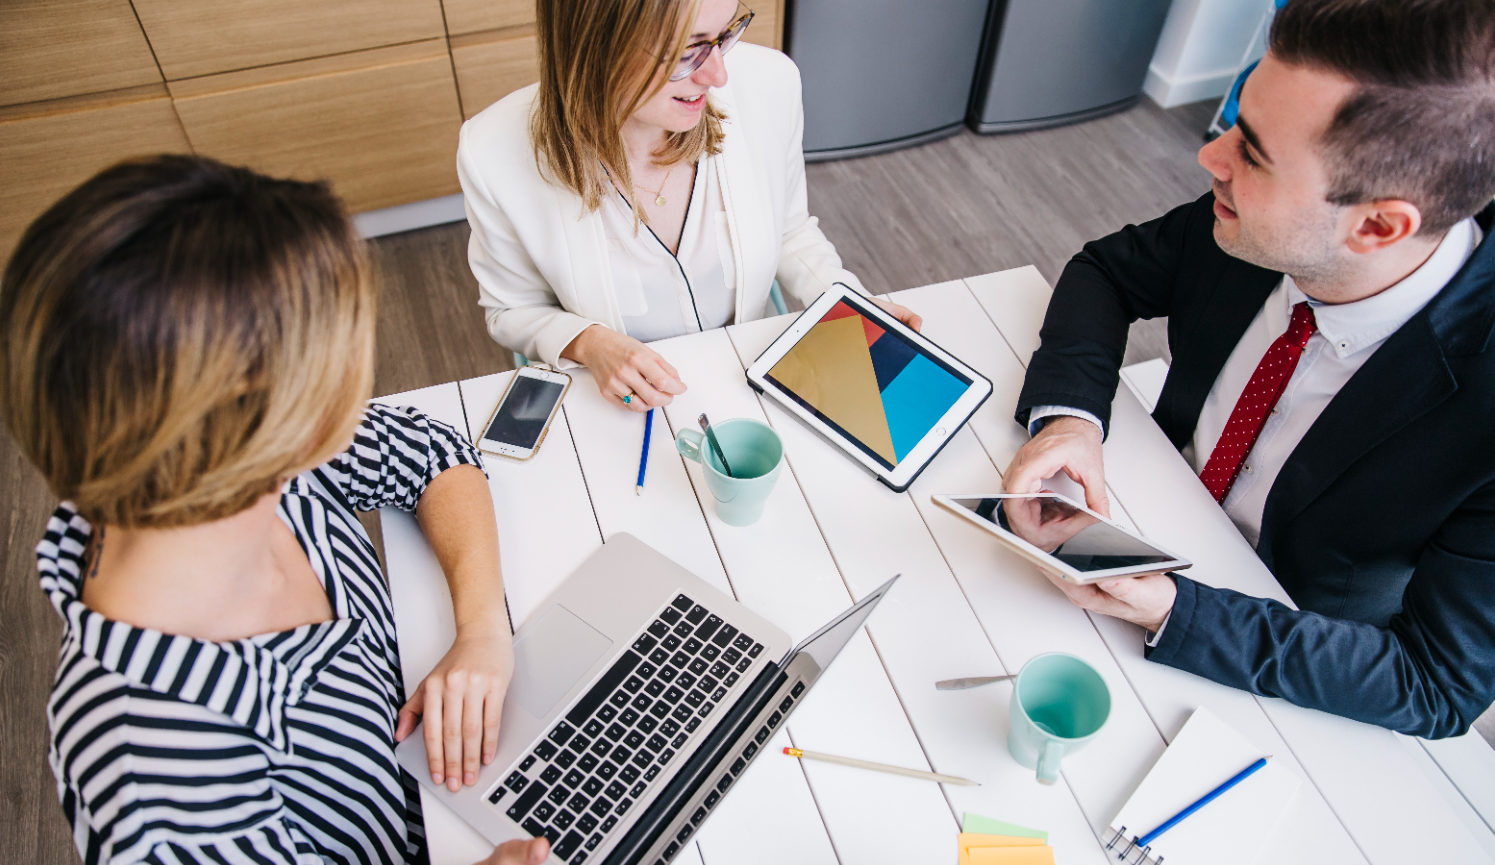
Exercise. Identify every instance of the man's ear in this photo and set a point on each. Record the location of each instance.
(1383, 223)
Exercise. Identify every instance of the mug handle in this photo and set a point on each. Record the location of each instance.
(1048, 762)
(688, 443)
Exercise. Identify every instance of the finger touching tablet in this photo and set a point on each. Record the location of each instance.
(1062, 536)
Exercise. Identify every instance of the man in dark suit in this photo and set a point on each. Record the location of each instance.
(1331, 316)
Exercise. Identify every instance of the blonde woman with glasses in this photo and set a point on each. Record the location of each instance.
(186, 351)
(651, 184)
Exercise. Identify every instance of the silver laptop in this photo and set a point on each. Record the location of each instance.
(640, 695)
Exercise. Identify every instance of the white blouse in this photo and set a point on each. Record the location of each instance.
(660, 294)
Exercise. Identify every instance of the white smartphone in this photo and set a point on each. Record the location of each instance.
(1062, 536)
(524, 412)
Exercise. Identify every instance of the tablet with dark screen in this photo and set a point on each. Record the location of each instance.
(1063, 536)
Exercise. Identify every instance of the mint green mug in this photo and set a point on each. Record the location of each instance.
(1059, 703)
(756, 455)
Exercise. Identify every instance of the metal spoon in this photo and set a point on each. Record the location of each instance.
(970, 682)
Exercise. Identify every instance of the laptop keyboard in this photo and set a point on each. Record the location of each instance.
(598, 760)
(727, 777)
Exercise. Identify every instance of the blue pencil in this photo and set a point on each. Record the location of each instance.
(643, 458)
(1200, 803)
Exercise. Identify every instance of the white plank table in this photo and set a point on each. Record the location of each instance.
(963, 607)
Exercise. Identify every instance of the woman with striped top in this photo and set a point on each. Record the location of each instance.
(187, 352)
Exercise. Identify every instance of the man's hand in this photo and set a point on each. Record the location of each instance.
(623, 366)
(1144, 601)
(461, 700)
(531, 852)
(1068, 444)
(1045, 524)
(902, 313)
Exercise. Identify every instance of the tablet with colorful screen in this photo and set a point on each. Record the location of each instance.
(883, 393)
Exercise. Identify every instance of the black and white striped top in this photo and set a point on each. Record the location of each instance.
(274, 748)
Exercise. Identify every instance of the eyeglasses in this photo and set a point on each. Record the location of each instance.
(697, 52)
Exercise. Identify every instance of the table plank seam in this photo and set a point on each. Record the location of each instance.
(462, 403)
(701, 506)
(960, 586)
(810, 785)
(1308, 776)
(918, 737)
(1121, 668)
(582, 470)
(995, 326)
(1472, 806)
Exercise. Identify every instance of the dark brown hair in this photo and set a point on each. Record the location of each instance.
(1420, 125)
(599, 61)
(181, 336)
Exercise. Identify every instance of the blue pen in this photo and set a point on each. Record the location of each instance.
(643, 458)
(1200, 803)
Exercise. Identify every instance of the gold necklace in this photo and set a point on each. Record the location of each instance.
(659, 199)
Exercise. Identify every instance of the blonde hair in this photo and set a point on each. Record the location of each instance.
(182, 336)
(599, 60)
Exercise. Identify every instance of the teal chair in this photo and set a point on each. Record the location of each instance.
(776, 297)
(1230, 108)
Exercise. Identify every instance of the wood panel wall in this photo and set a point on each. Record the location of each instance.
(368, 94)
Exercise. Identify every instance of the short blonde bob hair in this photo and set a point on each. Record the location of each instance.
(599, 61)
(182, 336)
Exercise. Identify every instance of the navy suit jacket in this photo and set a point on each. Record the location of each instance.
(1381, 523)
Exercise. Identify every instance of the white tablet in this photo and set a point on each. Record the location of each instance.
(881, 392)
(1062, 536)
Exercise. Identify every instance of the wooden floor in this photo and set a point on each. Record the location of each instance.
(962, 206)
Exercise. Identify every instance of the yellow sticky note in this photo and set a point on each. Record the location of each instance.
(972, 839)
(1003, 850)
(1040, 855)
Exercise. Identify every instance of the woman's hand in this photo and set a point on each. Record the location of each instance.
(461, 700)
(531, 852)
(902, 313)
(623, 366)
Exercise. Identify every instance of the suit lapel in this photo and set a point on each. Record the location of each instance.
(1402, 381)
(1406, 378)
(585, 242)
(1234, 300)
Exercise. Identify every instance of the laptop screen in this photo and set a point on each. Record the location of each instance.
(825, 644)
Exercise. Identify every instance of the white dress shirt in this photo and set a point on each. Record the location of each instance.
(1348, 334)
(661, 294)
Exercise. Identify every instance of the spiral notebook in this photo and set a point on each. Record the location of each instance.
(1231, 830)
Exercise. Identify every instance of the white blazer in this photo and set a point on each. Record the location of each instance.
(542, 263)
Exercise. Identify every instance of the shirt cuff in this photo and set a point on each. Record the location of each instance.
(1040, 415)
(1165, 648)
(1154, 636)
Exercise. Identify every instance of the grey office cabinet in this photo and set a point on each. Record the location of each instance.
(883, 74)
(1047, 62)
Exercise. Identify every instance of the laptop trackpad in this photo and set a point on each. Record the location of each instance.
(550, 656)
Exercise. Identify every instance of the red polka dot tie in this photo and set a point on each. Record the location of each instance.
(1256, 402)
